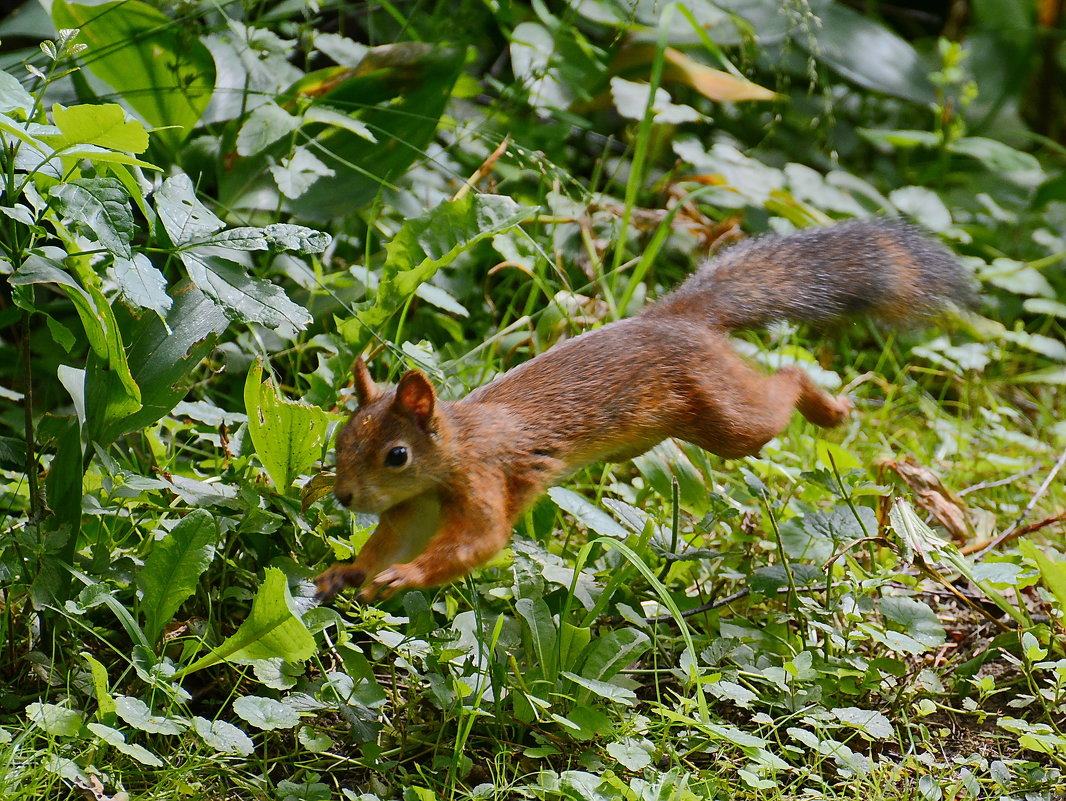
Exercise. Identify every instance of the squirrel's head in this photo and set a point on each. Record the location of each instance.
(391, 448)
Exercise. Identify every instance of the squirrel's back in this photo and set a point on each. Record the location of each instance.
(885, 268)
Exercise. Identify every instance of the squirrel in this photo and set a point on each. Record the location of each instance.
(448, 479)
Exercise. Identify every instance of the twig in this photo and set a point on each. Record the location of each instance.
(484, 169)
(1013, 535)
(999, 482)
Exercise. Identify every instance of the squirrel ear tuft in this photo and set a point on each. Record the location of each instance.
(365, 388)
(416, 398)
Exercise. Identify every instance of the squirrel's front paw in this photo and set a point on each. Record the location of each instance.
(393, 579)
(335, 579)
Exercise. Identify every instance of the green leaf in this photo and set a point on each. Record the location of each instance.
(266, 713)
(1053, 573)
(117, 739)
(999, 157)
(915, 618)
(104, 125)
(604, 689)
(160, 68)
(223, 736)
(608, 654)
(162, 356)
(276, 237)
(633, 754)
(12, 96)
(868, 721)
(142, 284)
(587, 513)
(244, 297)
(137, 713)
(105, 703)
(425, 244)
(866, 52)
(538, 619)
(172, 570)
(184, 217)
(288, 435)
(56, 720)
(296, 174)
(100, 209)
(272, 629)
(264, 126)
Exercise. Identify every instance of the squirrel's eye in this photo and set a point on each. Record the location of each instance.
(397, 457)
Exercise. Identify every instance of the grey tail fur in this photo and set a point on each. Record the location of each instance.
(884, 268)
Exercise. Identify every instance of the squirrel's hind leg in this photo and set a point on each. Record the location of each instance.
(740, 409)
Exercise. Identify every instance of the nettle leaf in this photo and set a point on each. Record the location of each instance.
(425, 244)
(272, 629)
(58, 721)
(244, 298)
(137, 713)
(117, 739)
(288, 435)
(915, 618)
(223, 736)
(184, 217)
(266, 713)
(172, 570)
(104, 125)
(264, 126)
(100, 209)
(142, 284)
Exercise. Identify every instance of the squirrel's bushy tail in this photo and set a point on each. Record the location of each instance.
(885, 268)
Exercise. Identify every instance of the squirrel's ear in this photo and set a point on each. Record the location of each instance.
(415, 398)
(365, 388)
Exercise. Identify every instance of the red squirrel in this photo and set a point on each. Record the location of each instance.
(449, 478)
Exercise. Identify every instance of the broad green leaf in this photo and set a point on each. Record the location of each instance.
(915, 618)
(543, 633)
(288, 435)
(296, 174)
(604, 689)
(264, 126)
(142, 284)
(104, 125)
(163, 354)
(276, 237)
(587, 513)
(56, 720)
(137, 713)
(332, 117)
(866, 52)
(172, 570)
(398, 92)
(608, 654)
(120, 392)
(223, 736)
(100, 209)
(1053, 573)
(899, 139)
(272, 629)
(160, 68)
(868, 721)
(633, 754)
(105, 703)
(184, 217)
(117, 739)
(266, 713)
(999, 157)
(425, 244)
(12, 96)
(244, 297)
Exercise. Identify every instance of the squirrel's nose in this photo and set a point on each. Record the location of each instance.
(344, 496)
